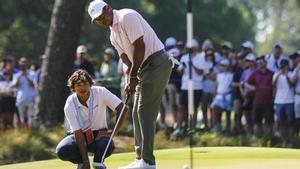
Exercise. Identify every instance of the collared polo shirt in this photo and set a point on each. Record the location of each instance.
(102, 99)
(128, 25)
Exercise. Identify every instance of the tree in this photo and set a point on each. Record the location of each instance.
(63, 37)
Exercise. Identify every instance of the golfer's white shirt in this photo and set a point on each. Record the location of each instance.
(128, 26)
(102, 99)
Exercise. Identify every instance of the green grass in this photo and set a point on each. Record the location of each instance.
(204, 158)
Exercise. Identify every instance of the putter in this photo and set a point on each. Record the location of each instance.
(102, 166)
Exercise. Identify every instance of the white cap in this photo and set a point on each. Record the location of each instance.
(250, 57)
(248, 44)
(174, 52)
(192, 44)
(81, 49)
(170, 41)
(207, 44)
(225, 62)
(227, 44)
(95, 8)
(110, 51)
(277, 44)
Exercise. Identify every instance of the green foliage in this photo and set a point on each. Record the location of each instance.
(24, 25)
(24, 28)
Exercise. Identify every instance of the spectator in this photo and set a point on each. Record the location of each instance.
(296, 80)
(82, 62)
(246, 92)
(284, 102)
(223, 101)
(174, 49)
(109, 71)
(23, 81)
(197, 74)
(209, 86)
(226, 50)
(247, 47)
(238, 69)
(273, 60)
(260, 82)
(7, 101)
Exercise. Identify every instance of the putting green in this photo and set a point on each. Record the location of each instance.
(204, 158)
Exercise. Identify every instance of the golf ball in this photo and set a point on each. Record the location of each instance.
(185, 167)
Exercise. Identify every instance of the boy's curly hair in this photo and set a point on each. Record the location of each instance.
(79, 76)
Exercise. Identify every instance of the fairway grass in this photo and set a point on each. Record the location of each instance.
(204, 158)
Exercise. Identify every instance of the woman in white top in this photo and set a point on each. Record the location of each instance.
(7, 102)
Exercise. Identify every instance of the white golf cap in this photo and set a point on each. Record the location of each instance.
(250, 57)
(225, 62)
(248, 44)
(81, 49)
(95, 9)
(227, 44)
(277, 45)
(192, 44)
(170, 41)
(109, 51)
(207, 44)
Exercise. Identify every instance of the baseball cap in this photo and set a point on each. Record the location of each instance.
(193, 43)
(277, 45)
(248, 44)
(95, 9)
(283, 63)
(250, 57)
(207, 44)
(110, 51)
(227, 44)
(81, 49)
(170, 41)
(225, 62)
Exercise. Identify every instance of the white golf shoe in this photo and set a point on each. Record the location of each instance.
(139, 164)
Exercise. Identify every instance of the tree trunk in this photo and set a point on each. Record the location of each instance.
(67, 19)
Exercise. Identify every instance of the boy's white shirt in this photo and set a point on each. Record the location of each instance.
(284, 93)
(224, 82)
(102, 99)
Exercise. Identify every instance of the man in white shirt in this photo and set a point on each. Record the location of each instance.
(149, 70)
(85, 112)
(284, 102)
(197, 76)
(296, 80)
(274, 59)
(23, 81)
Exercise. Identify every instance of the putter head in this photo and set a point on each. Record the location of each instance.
(99, 166)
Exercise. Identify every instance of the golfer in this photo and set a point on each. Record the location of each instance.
(85, 112)
(149, 68)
